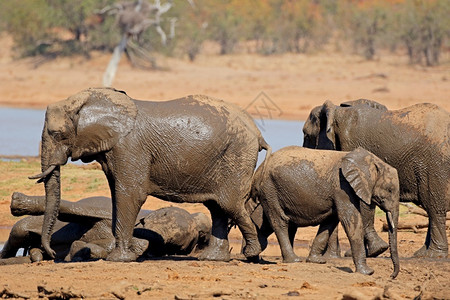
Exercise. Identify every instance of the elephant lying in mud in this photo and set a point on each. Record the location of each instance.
(83, 231)
(303, 187)
(194, 149)
(414, 140)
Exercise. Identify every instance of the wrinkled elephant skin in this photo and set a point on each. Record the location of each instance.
(194, 149)
(304, 187)
(83, 231)
(414, 140)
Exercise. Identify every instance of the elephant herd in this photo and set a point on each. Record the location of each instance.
(199, 149)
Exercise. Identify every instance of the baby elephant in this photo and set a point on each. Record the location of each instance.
(303, 187)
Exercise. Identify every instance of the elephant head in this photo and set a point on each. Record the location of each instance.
(259, 219)
(204, 227)
(366, 102)
(322, 123)
(81, 127)
(374, 180)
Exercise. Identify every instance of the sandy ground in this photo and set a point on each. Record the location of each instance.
(294, 84)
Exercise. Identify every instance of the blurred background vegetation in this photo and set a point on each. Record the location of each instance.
(418, 28)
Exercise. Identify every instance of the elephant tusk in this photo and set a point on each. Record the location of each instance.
(43, 174)
(389, 218)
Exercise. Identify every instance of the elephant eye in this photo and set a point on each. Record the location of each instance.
(57, 135)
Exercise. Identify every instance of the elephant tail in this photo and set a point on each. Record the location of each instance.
(260, 173)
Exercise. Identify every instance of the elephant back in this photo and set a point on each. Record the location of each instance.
(427, 119)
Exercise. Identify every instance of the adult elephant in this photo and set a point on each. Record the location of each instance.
(193, 149)
(414, 140)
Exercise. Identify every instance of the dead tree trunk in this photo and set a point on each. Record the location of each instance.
(110, 72)
(414, 226)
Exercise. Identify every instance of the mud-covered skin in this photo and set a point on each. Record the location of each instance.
(194, 149)
(414, 140)
(83, 231)
(304, 187)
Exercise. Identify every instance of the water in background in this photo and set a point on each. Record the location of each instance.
(20, 131)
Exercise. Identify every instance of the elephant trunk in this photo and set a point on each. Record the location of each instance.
(392, 219)
(52, 157)
(52, 201)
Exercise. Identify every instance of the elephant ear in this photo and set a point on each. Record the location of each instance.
(360, 171)
(327, 119)
(106, 116)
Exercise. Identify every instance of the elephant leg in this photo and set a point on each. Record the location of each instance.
(126, 206)
(22, 204)
(15, 260)
(218, 247)
(280, 226)
(281, 229)
(10, 248)
(292, 231)
(252, 247)
(22, 236)
(333, 248)
(321, 240)
(436, 245)
(351, 220)
(375, 245)
(82, 251)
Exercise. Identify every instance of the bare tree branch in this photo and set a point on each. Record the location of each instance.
(110, 72)
(413, 209)
(134, 18)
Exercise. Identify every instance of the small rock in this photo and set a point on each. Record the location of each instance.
(182, 297)
(292, 293)
(306, 285)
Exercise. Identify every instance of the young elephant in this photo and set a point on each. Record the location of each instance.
(304, 187)
(83, 230)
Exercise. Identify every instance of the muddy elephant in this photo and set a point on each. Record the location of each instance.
(414, 140)
(83, 231)
(194, 149)
(259, 218)
(304, 187)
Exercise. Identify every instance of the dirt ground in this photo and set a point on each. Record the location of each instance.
(295, 83)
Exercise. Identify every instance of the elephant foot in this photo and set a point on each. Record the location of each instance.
(332, 253)
(252, 248)
(121, 255)
(81, 251)
(430, 253)
(375, 246)
(364, 269)
(317, 259)
(139, 246)
(36, 255)
(217, 250)
(291, 259)
(21, 204)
